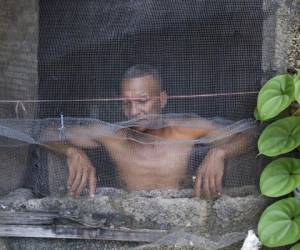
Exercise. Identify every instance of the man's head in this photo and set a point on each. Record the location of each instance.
(141, 88)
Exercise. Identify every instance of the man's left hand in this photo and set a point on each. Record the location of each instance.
(209, 176)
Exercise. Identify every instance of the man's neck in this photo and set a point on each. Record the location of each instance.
(165, 132)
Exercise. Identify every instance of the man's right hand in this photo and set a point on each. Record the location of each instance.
(81, 173)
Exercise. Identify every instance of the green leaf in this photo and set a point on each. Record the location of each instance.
(297, 76)
(275, 96)
(280, 137)
(296, 247)
(256, 114)
(280, 177)
(297, 89)
(279, 224)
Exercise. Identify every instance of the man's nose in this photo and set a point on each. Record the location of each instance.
(134, 110)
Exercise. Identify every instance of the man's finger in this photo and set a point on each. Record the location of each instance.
(212, 187)
(92, 183)
(77, 180)
(82, 185)
(219, 184)
(197, 188)
(198, 185)
(206, 191)
(72, 173)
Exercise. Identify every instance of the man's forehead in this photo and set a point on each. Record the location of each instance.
(140, 85)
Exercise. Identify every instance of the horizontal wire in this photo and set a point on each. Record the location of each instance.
(125, 98)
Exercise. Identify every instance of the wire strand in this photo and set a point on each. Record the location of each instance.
(124, 99)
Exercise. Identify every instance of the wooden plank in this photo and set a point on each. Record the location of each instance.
(52, 217)
(80, 232)
(27, 218)
(41, 225)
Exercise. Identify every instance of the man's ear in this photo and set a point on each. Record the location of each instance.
(163, 99)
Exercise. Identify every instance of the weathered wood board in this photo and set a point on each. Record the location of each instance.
(42, 225)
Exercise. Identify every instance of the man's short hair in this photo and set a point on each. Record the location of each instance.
(141, 70)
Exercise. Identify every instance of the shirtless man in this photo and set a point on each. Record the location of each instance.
(149, 166)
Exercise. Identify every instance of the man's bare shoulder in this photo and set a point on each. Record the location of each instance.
(115, 138)
(192, 122)
(191, 128)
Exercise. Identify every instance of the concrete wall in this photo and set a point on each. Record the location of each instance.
(18, 53)
(281, 42)
(18, 79)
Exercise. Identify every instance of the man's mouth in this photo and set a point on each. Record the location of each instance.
(143, 122)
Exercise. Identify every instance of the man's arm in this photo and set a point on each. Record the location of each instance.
(84, 136)
(210, 173)
(81, 171)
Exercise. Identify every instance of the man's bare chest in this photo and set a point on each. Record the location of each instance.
(151, 157)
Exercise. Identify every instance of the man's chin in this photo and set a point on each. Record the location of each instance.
(140, 129)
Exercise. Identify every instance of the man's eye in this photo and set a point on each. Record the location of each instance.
(143, 100)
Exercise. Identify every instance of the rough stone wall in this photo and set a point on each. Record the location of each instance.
(281, 26)
(18, 79)
(294, 50)
(18, 54)
(191, 223)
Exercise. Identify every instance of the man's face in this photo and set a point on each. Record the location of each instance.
(142, 97)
